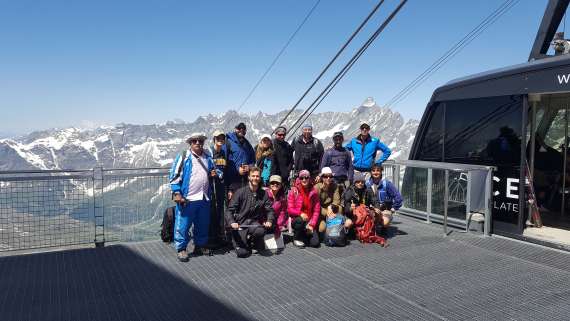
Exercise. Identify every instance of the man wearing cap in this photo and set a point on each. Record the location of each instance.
(339, 161)
(217, 226)
(240, 157)
(189, 181)
(250, 213)
(364, 148)
(308, 152)
(282, 156)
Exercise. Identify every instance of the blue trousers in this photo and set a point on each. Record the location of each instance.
(196, 213)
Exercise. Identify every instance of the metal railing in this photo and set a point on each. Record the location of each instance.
(448, 193)
(62, 208)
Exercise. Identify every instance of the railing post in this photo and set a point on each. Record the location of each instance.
(98, 207)
(397, 176)
(468, 202)
(445, 202)
(488, 204)
(428, 193)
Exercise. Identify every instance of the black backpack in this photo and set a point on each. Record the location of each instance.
(167, 226)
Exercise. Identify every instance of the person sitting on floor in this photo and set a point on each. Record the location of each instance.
(250, 213)
(387, 196)
(304, 209)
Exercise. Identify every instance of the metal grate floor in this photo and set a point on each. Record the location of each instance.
(420, 276)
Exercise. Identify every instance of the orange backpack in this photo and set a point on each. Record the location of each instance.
(365, 227)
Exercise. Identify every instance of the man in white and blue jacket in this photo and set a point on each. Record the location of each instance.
(190, 183)
(364, 148)
(387, 196)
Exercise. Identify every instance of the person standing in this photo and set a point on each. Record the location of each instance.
(339, 160)
(250, 213)
(364, 148)
(241, 156)
(282, 156)
(220, 159)
(308, 152)
(264, 158)
(189, 181)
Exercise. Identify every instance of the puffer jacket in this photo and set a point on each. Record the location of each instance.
(280, 209)
(364, 154)
(295, 203)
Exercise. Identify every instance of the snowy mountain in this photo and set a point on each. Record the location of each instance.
(127, 145)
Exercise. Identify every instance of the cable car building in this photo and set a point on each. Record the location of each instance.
(516, 119)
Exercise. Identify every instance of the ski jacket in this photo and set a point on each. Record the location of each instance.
(238, 153)
(279, 207)
(386, 192)
(295, 203)
(339, 161)
(308, 155)
(181, 172)
(364, 154)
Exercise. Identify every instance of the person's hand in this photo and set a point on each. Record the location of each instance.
(377, 210)
(235, 226)
(213, 173)
(178, 198)
(317, 179)
(267, 224)
(230, 194)
(330, 213)
(309, 228)
(304, 217)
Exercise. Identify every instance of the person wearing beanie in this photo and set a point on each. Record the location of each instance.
(308, 152)
(282, 156)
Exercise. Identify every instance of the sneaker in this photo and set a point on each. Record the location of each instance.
(183, 256)
(299, 244)
(254, 251)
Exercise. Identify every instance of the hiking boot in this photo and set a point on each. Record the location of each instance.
(198, 251)
(183, 256)
(299, 244)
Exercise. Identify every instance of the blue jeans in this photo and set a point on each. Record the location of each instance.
(195, 213)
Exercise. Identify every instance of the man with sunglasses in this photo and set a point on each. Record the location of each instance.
(241, 157)
(339, 160)
(282, 156)
(364, 148)
(190, 183)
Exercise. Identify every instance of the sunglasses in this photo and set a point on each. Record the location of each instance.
(197, 141)
(274, 183)
(359, 182)
(304, 178)
(326, 176)
(280, 135)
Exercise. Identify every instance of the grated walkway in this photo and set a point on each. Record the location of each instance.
(420, 276)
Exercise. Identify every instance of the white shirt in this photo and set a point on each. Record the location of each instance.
(198, 189)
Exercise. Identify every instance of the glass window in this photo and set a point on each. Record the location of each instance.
(483, 131)
(431, 147)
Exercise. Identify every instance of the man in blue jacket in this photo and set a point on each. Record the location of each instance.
(190, 183)
(386, 194)
(240, 158)
(364, 148)
(339, 160)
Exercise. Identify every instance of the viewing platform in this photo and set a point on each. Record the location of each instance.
(421, 275)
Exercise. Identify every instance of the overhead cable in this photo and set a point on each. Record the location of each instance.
(278, 55)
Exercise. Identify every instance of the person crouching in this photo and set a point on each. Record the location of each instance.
(304, 209)
(249, 214)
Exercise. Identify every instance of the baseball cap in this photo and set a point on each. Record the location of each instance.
(338, 134)
(275, 178)
(365, 125)
(217, 133)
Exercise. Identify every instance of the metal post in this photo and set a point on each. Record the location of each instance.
(563, 206)
(397, 176)
(428, 193)
(98, 207)
(468, 202)
(488, 202)
(445, 202)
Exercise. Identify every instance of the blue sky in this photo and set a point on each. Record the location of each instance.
(65, 63)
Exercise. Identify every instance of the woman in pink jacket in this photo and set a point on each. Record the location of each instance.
(276, 195)
(304, 209)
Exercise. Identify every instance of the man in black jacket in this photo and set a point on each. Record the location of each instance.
(308, 152)
(249, 214)
(282, 156)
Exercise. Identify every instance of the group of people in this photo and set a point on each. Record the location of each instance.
(245, 192)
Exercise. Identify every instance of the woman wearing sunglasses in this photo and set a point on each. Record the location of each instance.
(304, 209)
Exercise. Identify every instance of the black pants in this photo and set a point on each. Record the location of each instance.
(300, 233)
(248, 237)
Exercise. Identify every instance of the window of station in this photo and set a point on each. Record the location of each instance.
(432, 145)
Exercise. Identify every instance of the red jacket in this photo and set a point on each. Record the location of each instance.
(295, 203)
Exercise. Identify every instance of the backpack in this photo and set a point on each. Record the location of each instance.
(167, 226)
(335, 234)
(365, 226)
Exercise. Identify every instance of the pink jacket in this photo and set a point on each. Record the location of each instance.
(295, 203)
(280, 208)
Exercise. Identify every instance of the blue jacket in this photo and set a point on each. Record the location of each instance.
(181, 173)
(386, 193)
(364, 155)
(239, 153)
(339, 161)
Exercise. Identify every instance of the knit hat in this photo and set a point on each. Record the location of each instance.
(307, 126)
(359, 177)
(304, 173)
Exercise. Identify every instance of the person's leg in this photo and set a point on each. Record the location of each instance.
(201, 213)
(299, 231)
(239, 239)
(257, 233)
(181, 227)
(313, 239)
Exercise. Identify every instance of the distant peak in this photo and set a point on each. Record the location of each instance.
(369, 102)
